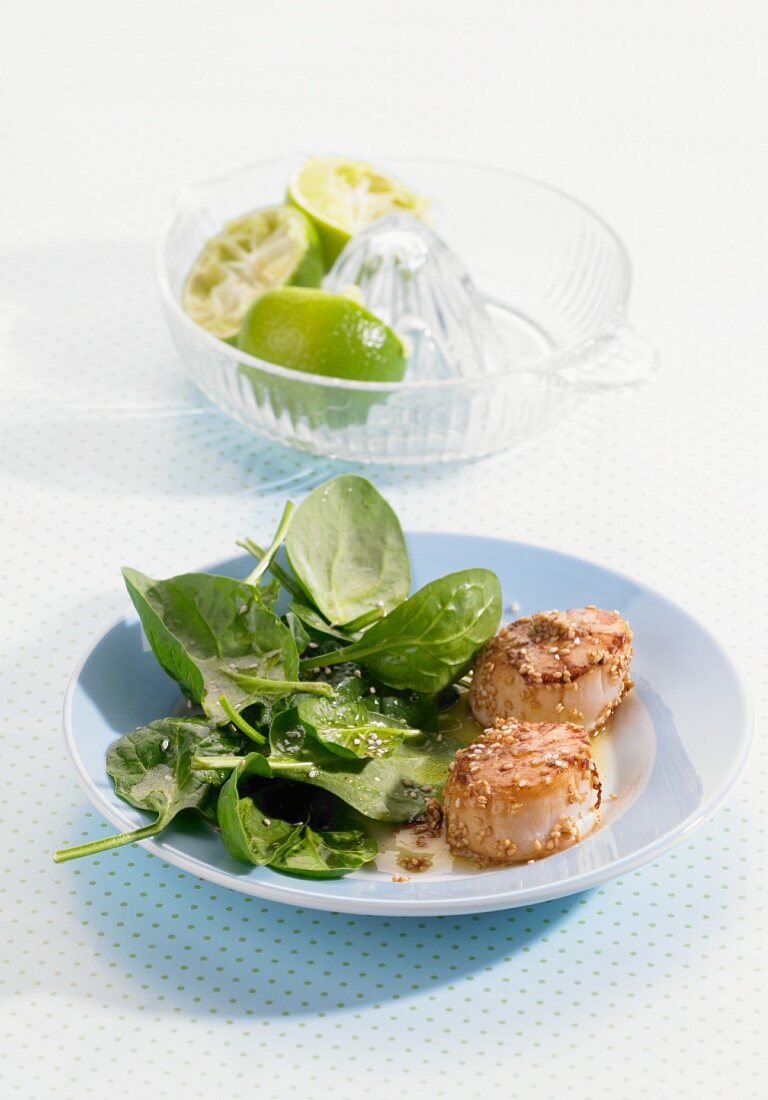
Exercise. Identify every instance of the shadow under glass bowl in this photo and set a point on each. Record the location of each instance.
(555, 277)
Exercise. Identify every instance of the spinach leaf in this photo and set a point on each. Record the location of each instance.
(429, 641)
(152, 769)
(347, 549)
(390, 788)
(246, 831)
(270, 593)
(298, 631)
(350, 728)
(317, 624)
(417, 710)
(152, 766)
(214, 636)
(360, 701)
(326, 853)
(260, 827)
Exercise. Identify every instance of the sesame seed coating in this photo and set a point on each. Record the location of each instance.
(521, 791)
(554, 665)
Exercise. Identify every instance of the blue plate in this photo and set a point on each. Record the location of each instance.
(675, 750)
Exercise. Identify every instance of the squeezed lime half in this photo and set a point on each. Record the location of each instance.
(267, 248)
(343, 196)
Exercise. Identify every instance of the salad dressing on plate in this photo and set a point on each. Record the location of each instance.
(399, 853)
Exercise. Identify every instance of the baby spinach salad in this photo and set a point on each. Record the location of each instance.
(315, 687)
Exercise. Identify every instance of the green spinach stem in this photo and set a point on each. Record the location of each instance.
(280, 533)
(258, 684)
(205, 763)
(286, 580)
(96, 846)
(365, 619)
(322, 659)
(238, 720)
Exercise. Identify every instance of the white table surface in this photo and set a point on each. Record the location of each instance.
(121, 975)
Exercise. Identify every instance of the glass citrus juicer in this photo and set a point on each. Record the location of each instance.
(512, 305)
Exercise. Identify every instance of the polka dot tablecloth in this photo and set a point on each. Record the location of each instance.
(124, 976)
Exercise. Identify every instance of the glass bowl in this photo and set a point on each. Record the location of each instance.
(555, 276)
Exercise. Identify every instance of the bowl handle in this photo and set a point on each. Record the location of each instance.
(615, 360)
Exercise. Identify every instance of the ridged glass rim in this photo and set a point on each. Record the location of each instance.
(238, 357)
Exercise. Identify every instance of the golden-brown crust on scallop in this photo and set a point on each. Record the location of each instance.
(510, 770)
(558, 646)
(570, 666)
(516, 760)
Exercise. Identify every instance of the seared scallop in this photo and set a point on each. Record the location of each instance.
(555, 666)
(521, 791)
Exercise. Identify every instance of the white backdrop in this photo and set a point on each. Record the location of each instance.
(653, 114)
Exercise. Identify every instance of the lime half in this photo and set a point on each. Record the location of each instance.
(344, 196)
(322, 333)
(264, 249)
